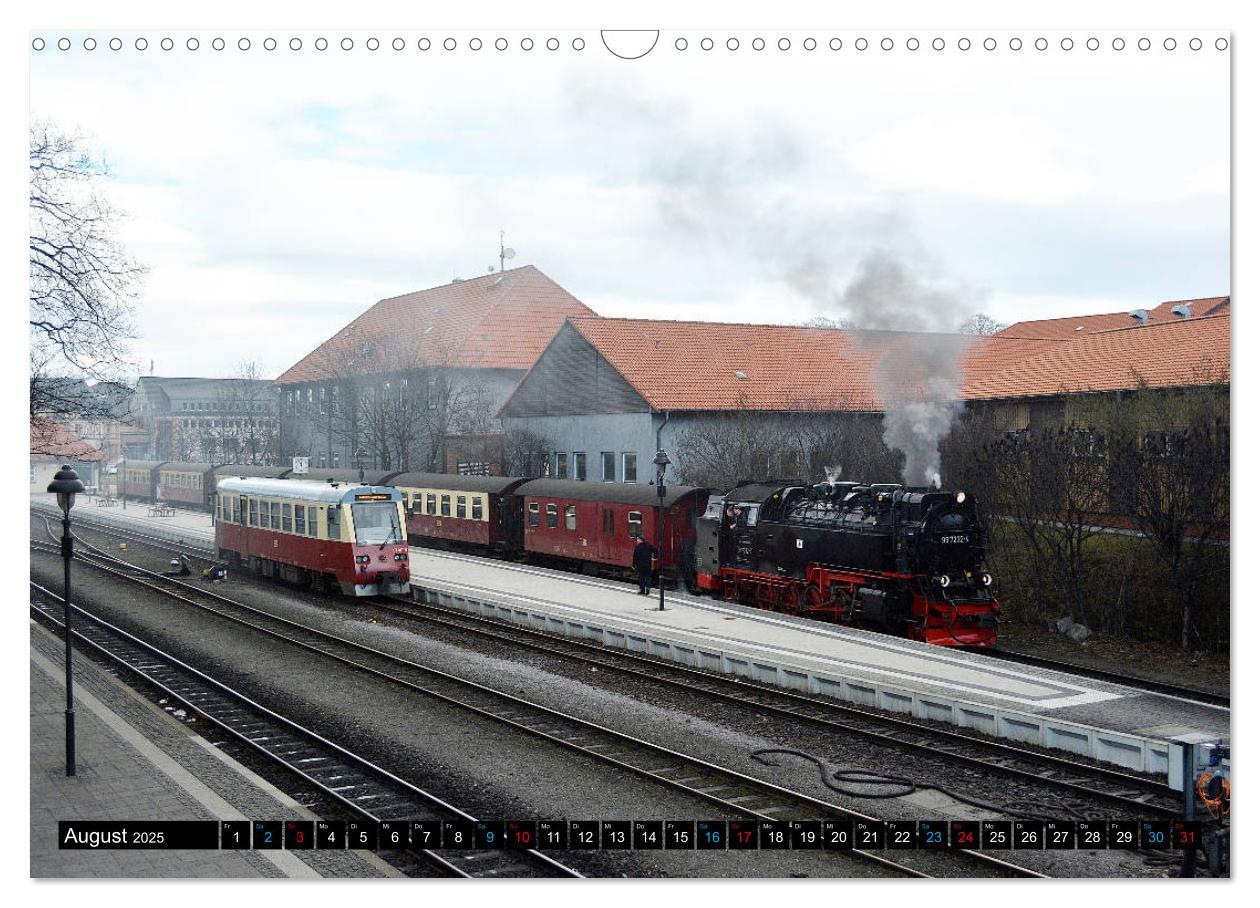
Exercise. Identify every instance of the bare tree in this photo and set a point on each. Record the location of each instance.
(525, 453)
(1176, 483)
(823, 321)
(82, 282)
(244, 429)
(1053, 487)
(981, 325)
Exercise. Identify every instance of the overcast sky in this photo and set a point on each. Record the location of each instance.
(276, 195)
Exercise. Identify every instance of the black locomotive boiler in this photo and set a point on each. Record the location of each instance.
(908, 561)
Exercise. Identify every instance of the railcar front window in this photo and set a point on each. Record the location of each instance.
(376, 523)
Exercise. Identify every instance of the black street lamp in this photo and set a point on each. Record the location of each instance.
(65, 486)
(662, 461)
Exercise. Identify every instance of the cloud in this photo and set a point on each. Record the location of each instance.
(274, 196)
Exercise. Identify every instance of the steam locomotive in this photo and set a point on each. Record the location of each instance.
(908, 561)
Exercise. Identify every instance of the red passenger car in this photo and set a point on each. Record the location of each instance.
(323, 534)
(597, 522)
(448, 509)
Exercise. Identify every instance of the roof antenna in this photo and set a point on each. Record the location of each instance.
(505, 253)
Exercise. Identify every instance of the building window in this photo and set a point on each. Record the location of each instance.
(629, 467)
(609, 461)
(570, 517)
(336, 459)
(551, 516)
(476, 509)
(533, 513)
(579, 465)
(461, 506)
(562, 465)
(636, 523)
(446, 505)
(323, 461)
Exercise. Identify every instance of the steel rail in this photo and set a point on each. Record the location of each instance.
(299, 750)
(688, 774)
(801, 707)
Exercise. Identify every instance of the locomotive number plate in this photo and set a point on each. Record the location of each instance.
(959, 538)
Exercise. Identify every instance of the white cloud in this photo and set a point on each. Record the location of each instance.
(273, 196)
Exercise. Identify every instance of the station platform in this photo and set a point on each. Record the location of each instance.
(1103, 721)
(135, 762)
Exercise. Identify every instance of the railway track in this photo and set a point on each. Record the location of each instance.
(1161, 688)
(1140, 796)
(364, 789)
(1087, 784)
(737, 792)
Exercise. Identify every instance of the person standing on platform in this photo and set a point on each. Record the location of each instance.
(644, 552)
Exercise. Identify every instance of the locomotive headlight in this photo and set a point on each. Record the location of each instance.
(362, 559)
(400, 556)
(960, 497)
(943, 580)
(986, 578)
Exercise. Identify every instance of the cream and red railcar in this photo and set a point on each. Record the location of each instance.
(328, 535)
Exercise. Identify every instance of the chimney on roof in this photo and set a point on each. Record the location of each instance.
(1140, 316)
(1182, 311)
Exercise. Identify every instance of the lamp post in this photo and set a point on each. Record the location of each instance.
(65, 486)
(358, 459)
(662, 461)
(122, 482)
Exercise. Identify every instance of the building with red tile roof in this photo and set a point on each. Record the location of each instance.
(608, 391)
(1073, 327)
(51, 445)
(415, 369)
(498, 321)
(1167, 354)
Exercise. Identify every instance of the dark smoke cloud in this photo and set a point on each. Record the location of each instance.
(917, 373)
(735, 195)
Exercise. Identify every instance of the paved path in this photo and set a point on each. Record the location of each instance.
(136, 762)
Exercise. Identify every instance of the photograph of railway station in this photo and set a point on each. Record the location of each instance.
(606, 467)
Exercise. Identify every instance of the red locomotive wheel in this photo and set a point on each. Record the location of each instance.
(791, 599)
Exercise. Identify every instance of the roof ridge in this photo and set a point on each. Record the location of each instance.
(1152, 325)
(455, 281)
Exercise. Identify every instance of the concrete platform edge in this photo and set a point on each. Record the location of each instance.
(1134, 752)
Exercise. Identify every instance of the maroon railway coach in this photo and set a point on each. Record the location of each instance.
(180, 482)
(465, 512)
(138, 478)
(328, 535)
(597, 523)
